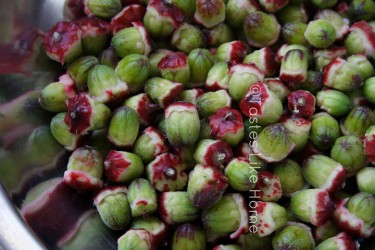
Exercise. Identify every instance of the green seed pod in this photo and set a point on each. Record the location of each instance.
(340, 24)
(228, 216)
(294, 236)
(274, 143)
(359, 40)
(334, 102)
(324, 131)
(290, 183)
(267, 217)
(253, 241)
(362, 205)
(206, 186)
(369, 89)
(60, 132)
(103, 8)
(205, 132)
(237, 10)
(53, 97)
(174, 67)
(85, 169)
(218, 77)
(104, 84)
(189, 237)
(123, 127)
(188, 6)
(293, 33)
(362, 10)
(358, 121)
(219, 34)
(200, 62)
(213, 153)
(142, 197)
(265, 59)
(98, 139)
(313, 83)
(324, 4)
(357, 97)
(80, 68)
(349, 151)
(338, 242)
(182, 124)
(191, 95)
(364, 65)
(154, 60)
(167, 173)
(187, 38)
(330, 178)
(230, 52)
(241, 176)
(299, 129)
(156, 227)
(365, 180)
(134, 70)
(144, 107)
(150, 144)
(320, 33)
(285, 48)
(113, 207)
(261, 29)
(175, 207)
(342, 75)
(241, 77)
(121, 166)
(210, 102)
(312, 205)
(212, 16)
(292, 13)
(323, 57)
(108, 57)
(326, 231)
(132, 40)
(293, 69)
(162, 91)
(135, 239)
(277, 87)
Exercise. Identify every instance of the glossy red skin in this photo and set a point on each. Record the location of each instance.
(324, 211)
(212, 190)
(173, 95)
(249, 100)
(164, 162)
(75, 9)
(367, 29)
(262, 186)
(168, 10)
(221, 126)
(91, 24)
(306, 110)
(82, 109)
(115, 164)
(370, 147)
(219, 147)
(124, 19)
(146, 109)
(173, 60)
(19, 55)
(71, 35)
(238, 51)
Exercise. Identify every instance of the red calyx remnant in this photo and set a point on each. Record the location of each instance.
(124, 19)
(161, 146)
(78, 117)
(92, 26)
(238, 51)
(60, 39)
(301, 102)
(269, 186)
(74, 9)
(369, 34)
(115, 164)
(173, 94)
(173, 60)
(253, 100)
(81, 181)
(146, 109)
(224, 121)
(218, 154)
(369, 144)
(166, 9)
(271, 61)
(324, 209)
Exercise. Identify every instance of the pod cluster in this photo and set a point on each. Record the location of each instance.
(219, 124)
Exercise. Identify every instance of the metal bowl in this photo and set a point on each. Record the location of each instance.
(36, 210)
